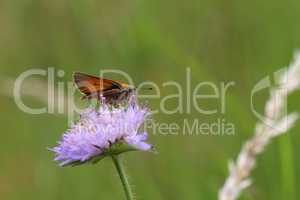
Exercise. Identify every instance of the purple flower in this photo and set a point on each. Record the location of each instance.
(102, 132)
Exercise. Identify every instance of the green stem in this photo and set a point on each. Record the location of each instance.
(121, 172)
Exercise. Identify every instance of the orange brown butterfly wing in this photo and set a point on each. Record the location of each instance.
(90, 85)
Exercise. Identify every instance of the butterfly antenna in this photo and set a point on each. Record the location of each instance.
(149, 88)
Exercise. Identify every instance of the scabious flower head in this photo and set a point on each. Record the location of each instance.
(101, 132)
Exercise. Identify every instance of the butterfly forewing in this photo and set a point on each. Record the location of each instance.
(89, 84)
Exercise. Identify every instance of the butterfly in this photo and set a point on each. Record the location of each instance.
(114, 92)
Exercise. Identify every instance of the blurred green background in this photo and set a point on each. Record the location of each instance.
(240, 41)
